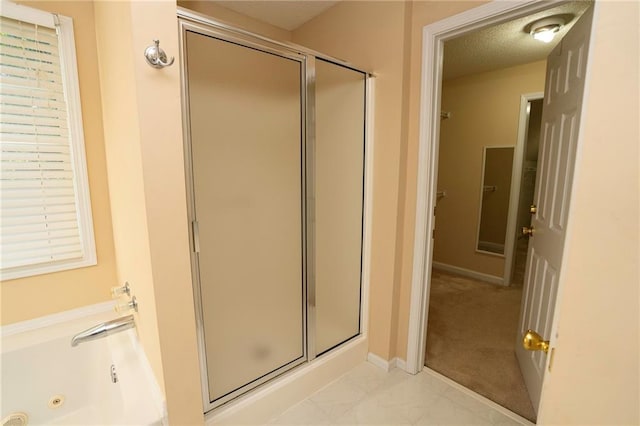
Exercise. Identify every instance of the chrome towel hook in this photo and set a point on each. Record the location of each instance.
(156, 56)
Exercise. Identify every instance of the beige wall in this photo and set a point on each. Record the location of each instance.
(125, 174)
(28, 298)
(223, 14)
(485, 111)
(371, 35)
(143, 134)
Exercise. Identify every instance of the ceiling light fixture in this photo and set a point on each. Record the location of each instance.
(545, 29)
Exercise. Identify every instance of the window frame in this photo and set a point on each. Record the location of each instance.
(71, 88)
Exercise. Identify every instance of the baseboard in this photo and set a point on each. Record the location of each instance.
(379, 361)
(400, 363)
(386, 365)
(492, 247)
(55, 319)
(468, 273)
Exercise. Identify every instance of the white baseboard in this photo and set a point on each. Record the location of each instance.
(386, 365)
(379, 361)
(468, 273)
(491, 246)
(400, 363)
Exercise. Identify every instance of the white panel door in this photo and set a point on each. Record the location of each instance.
(564, 90)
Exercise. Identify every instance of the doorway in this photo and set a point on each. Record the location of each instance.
(435, 37)
(473, 317)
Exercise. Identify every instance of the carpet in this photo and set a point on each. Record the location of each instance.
(472, 335)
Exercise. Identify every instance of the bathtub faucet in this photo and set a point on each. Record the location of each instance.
(103, 330)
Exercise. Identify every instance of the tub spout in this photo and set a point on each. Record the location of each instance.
(103, 330)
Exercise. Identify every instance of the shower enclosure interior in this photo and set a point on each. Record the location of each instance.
(275, 153)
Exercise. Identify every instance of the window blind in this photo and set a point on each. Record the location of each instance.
(38, 202)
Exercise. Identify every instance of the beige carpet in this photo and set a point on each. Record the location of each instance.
(471, 338)
(520, 263)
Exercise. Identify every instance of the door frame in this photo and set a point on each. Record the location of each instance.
(434, 36)
(516, 182)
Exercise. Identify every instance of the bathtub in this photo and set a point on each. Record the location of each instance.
(101, 382)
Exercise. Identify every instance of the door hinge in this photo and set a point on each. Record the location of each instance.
(196, 236)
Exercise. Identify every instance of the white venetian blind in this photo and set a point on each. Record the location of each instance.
(38, 197)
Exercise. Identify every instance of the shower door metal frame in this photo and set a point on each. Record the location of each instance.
(192, 21)
(220, 34)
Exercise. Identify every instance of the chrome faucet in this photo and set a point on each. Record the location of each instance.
(103, 330)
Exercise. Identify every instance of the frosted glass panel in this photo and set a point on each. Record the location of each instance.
(340, 119)
(246, 153)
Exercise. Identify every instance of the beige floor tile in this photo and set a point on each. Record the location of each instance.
(500, 419)
(447, 412)
(368, 395)
(338, 398)
(411, 398)
(371, 412)
(370, 378)
(469, 402)
(305, 413)
(433, 381)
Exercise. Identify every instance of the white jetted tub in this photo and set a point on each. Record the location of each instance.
(101, 382)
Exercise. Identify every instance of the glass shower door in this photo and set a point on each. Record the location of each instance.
(247, 179)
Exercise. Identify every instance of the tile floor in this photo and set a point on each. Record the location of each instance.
(369, 396)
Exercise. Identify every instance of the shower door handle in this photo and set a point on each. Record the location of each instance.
(196, 236)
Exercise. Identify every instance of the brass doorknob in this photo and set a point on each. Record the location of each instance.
(533, 209)
(532, 341)
(527, 231)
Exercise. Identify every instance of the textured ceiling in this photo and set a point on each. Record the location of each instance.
(287, 15)
(506, 44)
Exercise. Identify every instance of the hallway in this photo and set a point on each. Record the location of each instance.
(471, 338)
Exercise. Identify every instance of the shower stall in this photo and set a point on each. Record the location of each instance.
(275, 158)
